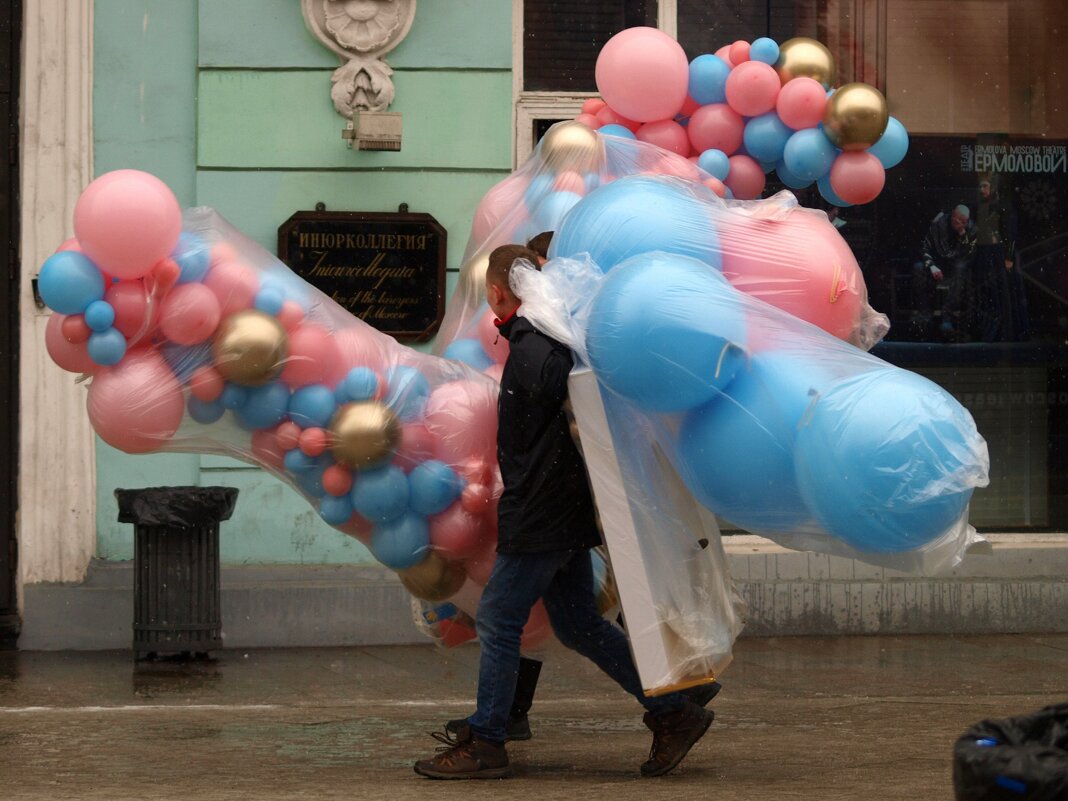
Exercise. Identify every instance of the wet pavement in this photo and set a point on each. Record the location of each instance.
(799, 718)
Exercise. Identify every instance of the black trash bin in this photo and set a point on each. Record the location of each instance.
(176, 567)
(1016, 758)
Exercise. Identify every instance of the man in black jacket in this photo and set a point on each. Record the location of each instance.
(546, 527)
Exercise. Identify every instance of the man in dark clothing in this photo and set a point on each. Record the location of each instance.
(947, 254)
(1001, 304)
(546, 527)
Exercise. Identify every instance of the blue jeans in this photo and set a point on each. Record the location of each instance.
(564, 580)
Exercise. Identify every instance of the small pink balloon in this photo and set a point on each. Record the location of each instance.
(190, 314)
(137, 405)
(126, 221)
(493, 341)
(609, 116)
(70, 244)
(130, 301)
(290, 315)
(496, 208)
(495, 371)
(716, 127)
(288, 435)
(222, 251)
(70, 356)
(537, 630)
(689, 107)
(725, 54)
(361, 346)
(206, 384)
(474, 471)
(313, 441)
(589, 120)
(462, 418)
(746, 177)
(313, 355)
(752, 88)
(593, 105)
(667, 134)
(235, 286)
(716, 186)
(337, 480)
(75, 329)
(857, 177)
(416, 446)
(672, 164)
(476, 499)
(801, 103)
(455, 533)
(570, 181)
(265, 449)
(739, 51)
(480, 565)
(643, 73)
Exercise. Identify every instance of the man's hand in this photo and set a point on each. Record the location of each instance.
(936, 274)
(1009, 264)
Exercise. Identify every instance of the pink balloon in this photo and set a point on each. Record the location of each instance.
(337, 480)
(716, 186)
(288, 435)
(265, 449)
(495, 371)
(752, 88)
(137, 405)
(480, 565)
(570, 181)
(643, 73)
(725, 54)
(313, 355)
(235, 286)
(689, 107)
(207, 384)
(476, 499)
(609, 116)
(593, 105)
(801, 103)
(493, 342)
(746, 177)
(70, 244)
(70, 356)
(672, 164)
(126, 221)
(589, 121)
(290, 315)
(358, 527)
(313, 441)
(75, 329)
(130, 301)
(462, 418)
(190, 314)
(496, 206)
(739, 51)
(667, 134)
(857, 177)
(359, 346)
(716, 127)
(416, 446)
(799, 264)
(223, 251)
(455, 533)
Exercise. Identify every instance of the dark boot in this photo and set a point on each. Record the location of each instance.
(517, 727)
(703, 693)
(465, 756)
(673, 736)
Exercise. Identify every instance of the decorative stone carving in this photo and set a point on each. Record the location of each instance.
(360, 32)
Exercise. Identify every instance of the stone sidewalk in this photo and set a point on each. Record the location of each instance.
(799, 718)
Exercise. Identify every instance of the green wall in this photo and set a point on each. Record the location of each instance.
(228, 101)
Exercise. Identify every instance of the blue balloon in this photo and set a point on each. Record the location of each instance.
(640, 214)
(359, 384)
(408, 392)
(269, 300)
(764, 50)
(766, 137)
(205, 412)
(265, 406)
(551, 211)
(666, 332)
(296, 461)
(69, 282)
(470, 352)
(809, 154)
(887, 461)
(107, 347)
(538, 189)
(185, 360)
(311, 480)
(312, 406)
(233, 397)
(892, 145)
(99, 315)
(615, 129)
(716, 163)
(828, 193)
(401, 543)
(434, 487)
(736, 452)
(788, 178)
(193, 257)
(381, 494)
(708, 79)
(335, 510)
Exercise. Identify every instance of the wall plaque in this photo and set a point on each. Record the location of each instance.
(388, 269)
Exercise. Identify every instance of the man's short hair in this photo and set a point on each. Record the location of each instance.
(540, 243)
(963, 211)
(501, 261)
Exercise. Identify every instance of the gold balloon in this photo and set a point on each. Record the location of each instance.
(572, 146)
(364, 433)
(607, 593)
(250, 348)
(473, 278)
(805, 58)
(856, 116)
(433, 579)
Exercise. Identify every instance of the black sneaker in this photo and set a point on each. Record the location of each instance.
(465, 756)
(673, 736)
(703, 693)
(517, 728)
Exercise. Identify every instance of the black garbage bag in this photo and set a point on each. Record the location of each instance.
(1015, 758)
(176, 507)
